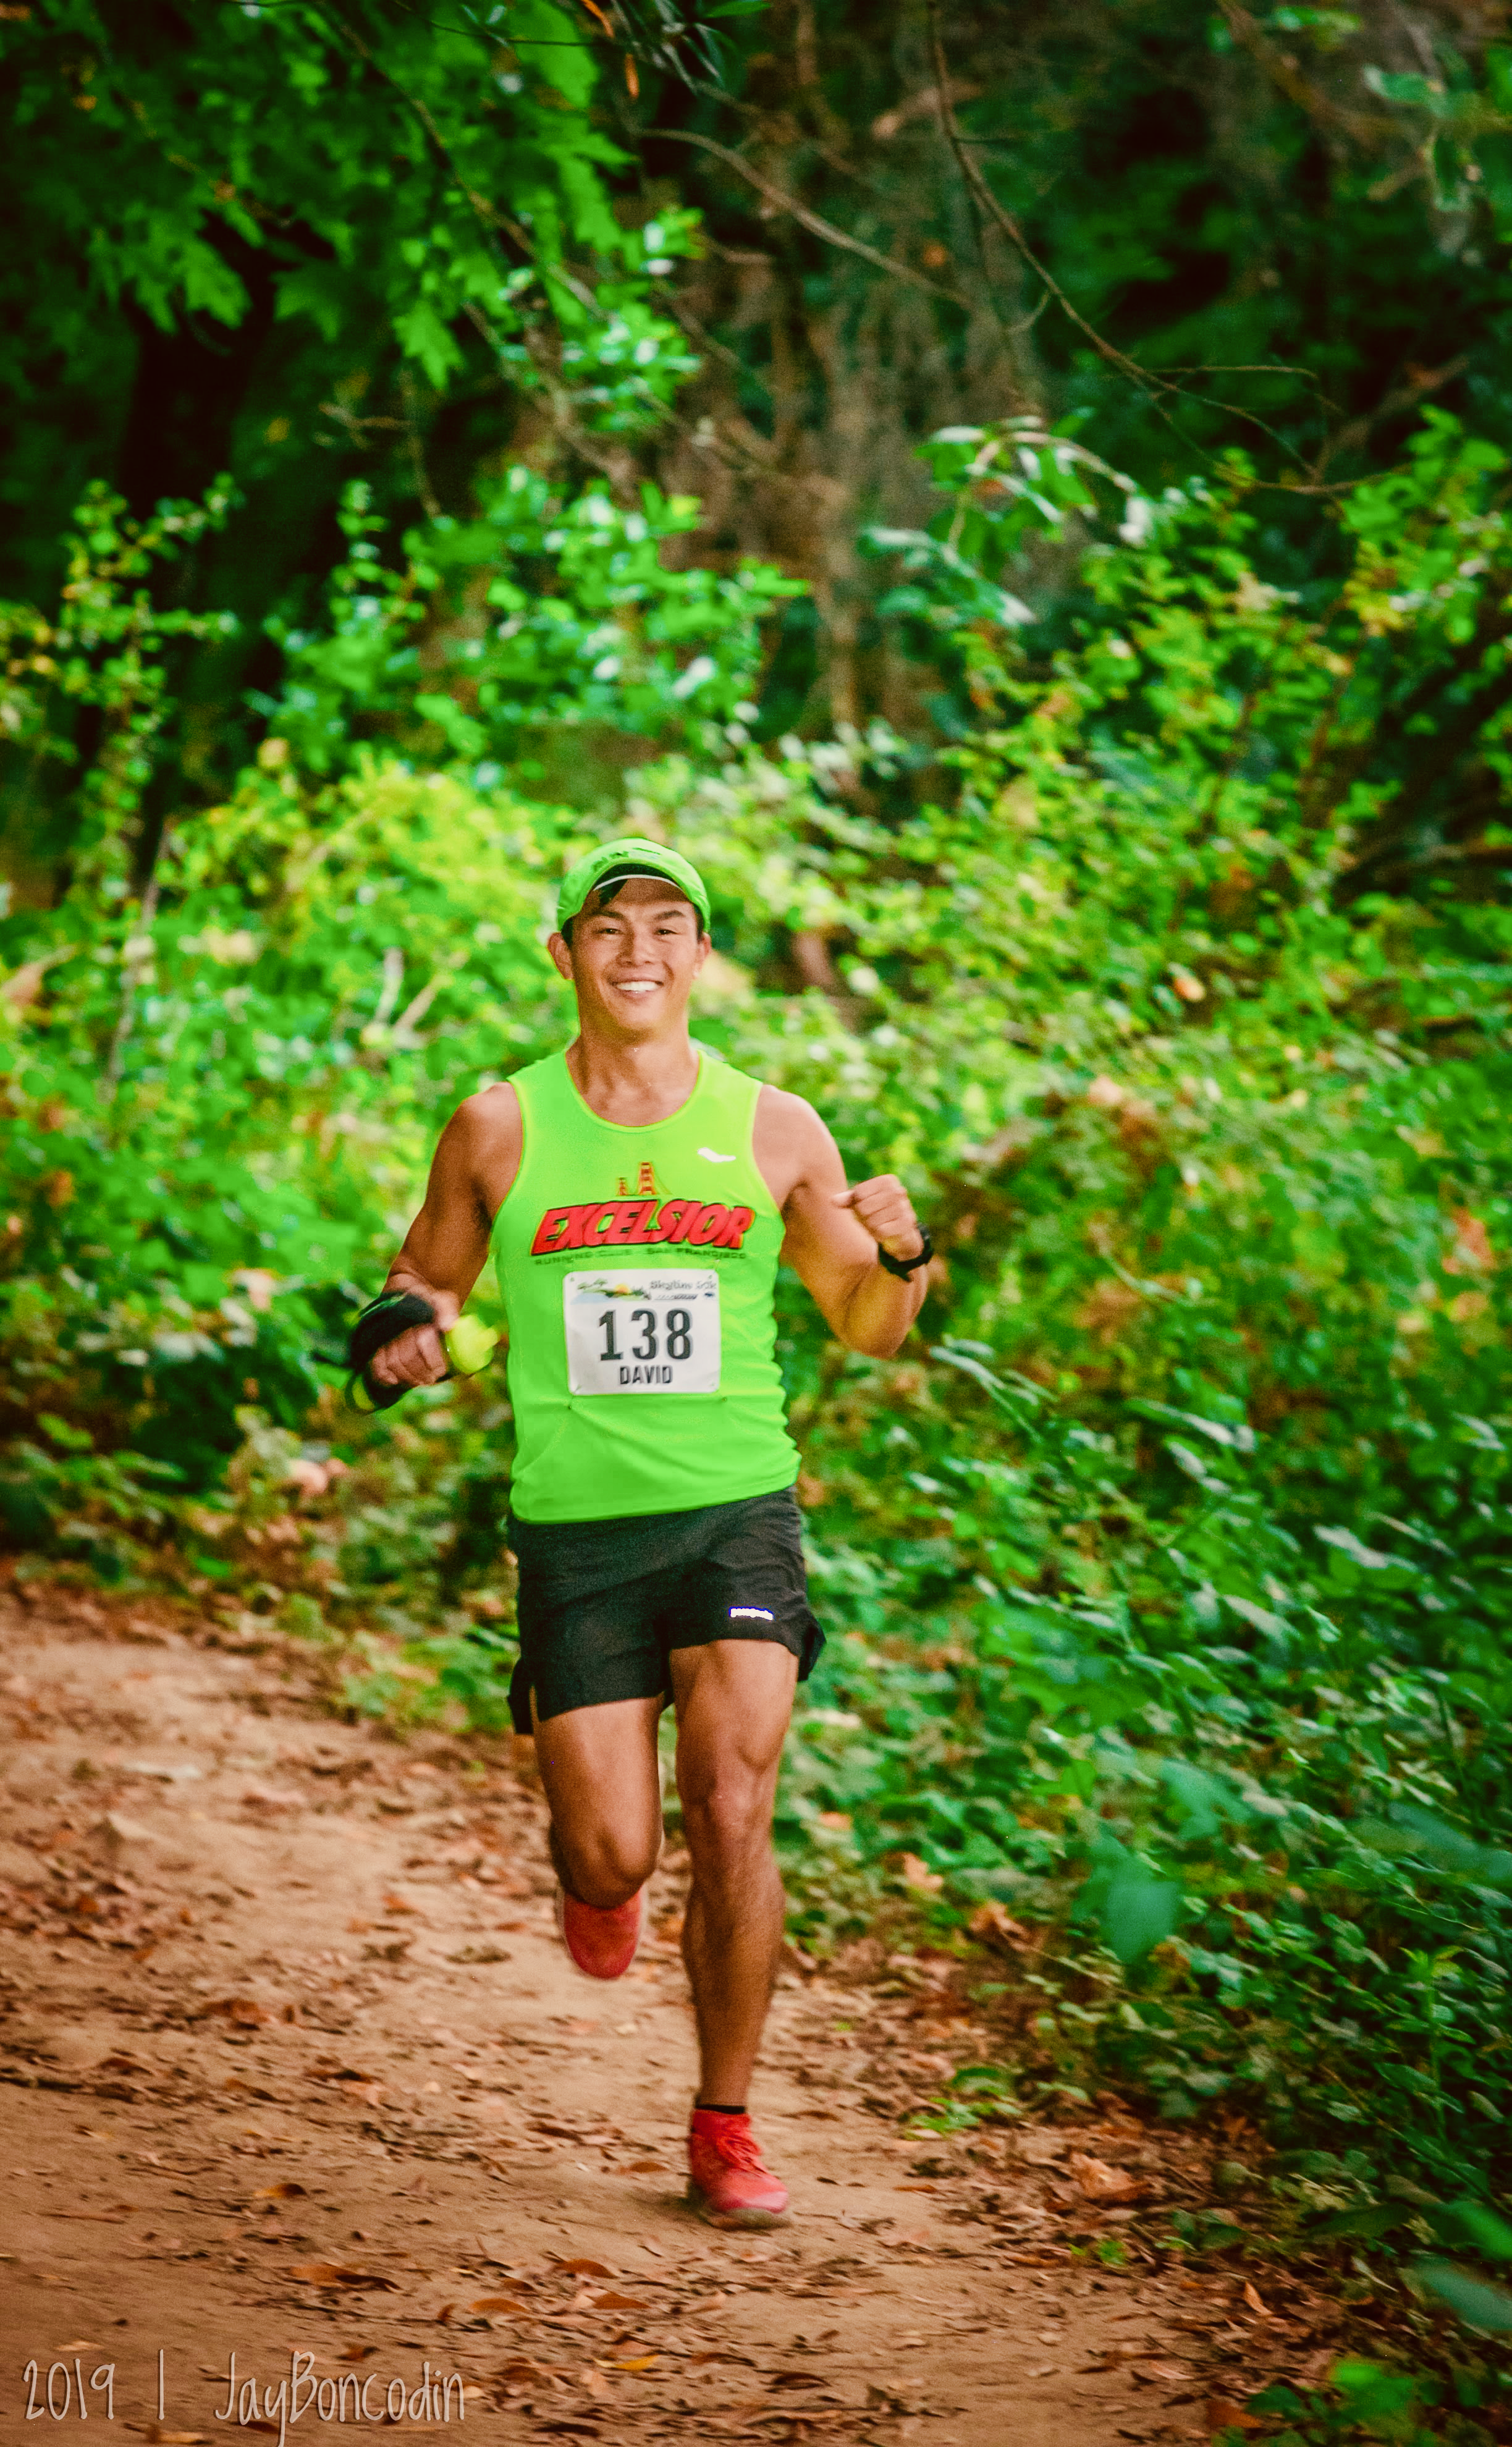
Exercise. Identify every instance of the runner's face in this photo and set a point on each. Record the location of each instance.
(633, 963)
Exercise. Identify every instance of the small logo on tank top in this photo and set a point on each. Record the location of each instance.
(645, 1182)
(710, 1156)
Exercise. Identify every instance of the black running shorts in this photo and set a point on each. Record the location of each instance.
(603, 1602)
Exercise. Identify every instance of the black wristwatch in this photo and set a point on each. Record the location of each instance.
(903, 1267)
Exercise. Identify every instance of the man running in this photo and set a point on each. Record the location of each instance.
(639, 1194)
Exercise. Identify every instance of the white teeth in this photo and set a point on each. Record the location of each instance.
(638, 986)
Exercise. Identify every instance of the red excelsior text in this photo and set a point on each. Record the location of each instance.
(636, 1223)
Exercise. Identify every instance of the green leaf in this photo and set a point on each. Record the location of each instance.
(1472, 2222)
(1369, 1559)
(1471, 2298)
(1369, 2224)
(1140, 1911)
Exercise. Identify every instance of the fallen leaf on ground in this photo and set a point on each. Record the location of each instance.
(1221, 2414)
(796, 2379)
(289, 2191)
(915, 2188)
(618, 2302)
(644, 2167)
(642, 2363)
(1100, 2181)
(332, 2273)
(1255, 2302)
(1153, 2373)
(501, 2303)
(245, 2012)
(356, 2354)
(918, 1874)
(993, 1920)
(596, 2383)
(583, 2268)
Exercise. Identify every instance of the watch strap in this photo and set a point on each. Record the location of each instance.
(903, 1267)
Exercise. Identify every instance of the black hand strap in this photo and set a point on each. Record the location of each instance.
(383, 1321)
(903, 1267)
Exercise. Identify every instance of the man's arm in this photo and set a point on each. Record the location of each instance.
(444, 1248)
(833, 1232)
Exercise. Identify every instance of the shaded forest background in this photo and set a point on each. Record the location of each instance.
(1025, 497)
(262, 245)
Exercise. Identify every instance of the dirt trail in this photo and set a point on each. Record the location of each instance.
(294, 2064)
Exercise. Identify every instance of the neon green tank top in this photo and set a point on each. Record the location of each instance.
(638, 1268)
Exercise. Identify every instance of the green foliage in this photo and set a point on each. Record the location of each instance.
(1485, 2307)
(1363, 2402)
(1006, 486)
(268, 238)
(221, 1092)
(106, 649)
(170, 170)
(378, 180)
(544, 612)
(1195, 1585)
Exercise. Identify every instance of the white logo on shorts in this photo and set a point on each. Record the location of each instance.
(750, 1614)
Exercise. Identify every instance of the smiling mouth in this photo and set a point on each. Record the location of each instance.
(638, 986)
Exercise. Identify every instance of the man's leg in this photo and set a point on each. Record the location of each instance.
(734, 1698)
(598, 1766)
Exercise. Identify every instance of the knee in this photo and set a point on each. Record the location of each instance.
(604, 1867)
(726, 1820)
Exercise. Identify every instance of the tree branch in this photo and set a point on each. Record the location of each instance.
(1155, 388)
(1284, 74)
(812, 222)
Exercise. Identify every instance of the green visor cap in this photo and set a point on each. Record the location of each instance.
(631, 856)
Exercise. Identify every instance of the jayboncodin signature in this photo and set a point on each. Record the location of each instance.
(62, 2389)
(350, 2397)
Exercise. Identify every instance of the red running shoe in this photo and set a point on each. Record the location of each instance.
(602, 1943)
(726, 2178)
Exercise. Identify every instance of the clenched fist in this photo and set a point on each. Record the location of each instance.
(887, 1211)
(418, 1356)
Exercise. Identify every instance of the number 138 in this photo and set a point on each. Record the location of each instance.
(679, 1330)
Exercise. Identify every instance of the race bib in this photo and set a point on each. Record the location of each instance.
(634, 1333)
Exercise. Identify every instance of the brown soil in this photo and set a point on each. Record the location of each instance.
(291, 2063)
